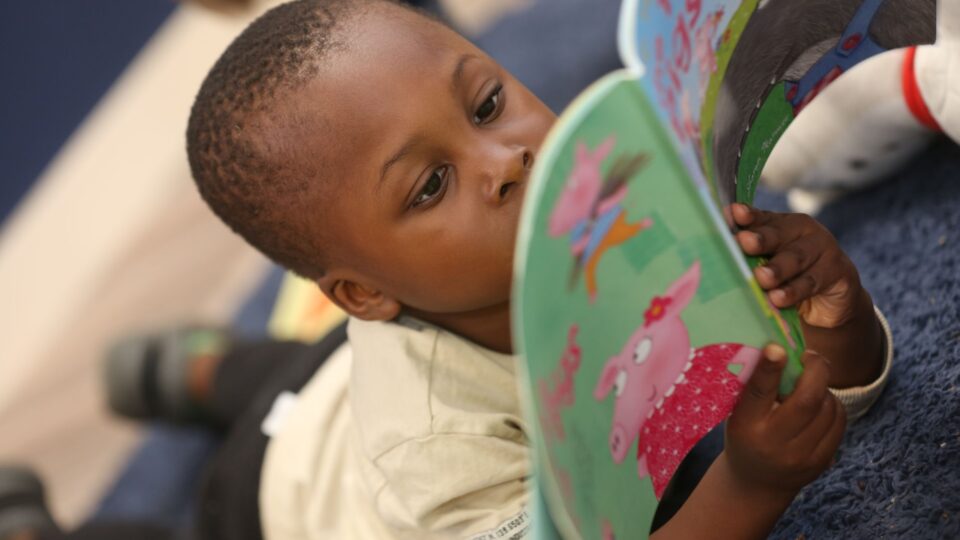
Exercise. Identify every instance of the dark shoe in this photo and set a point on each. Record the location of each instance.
(23, 505)
(147, 377)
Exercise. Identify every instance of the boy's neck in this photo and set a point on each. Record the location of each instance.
(488, 327)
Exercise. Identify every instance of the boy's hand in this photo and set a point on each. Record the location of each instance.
(777, 448)
(772, 450)
(807, 269)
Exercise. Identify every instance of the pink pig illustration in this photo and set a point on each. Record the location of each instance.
(559, 394)
(704, 49)
(608, 531)
(589, 208)
(668, 396)
(690, 127)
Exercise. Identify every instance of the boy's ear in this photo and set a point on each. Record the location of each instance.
(359, 300)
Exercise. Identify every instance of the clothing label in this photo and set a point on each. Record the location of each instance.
(513, 528)
(279, 412)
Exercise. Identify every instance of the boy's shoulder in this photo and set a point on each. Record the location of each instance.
(424, 403)
(411, 380)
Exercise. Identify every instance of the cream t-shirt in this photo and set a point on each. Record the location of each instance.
(428, 442)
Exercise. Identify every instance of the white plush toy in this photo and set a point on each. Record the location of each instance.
(872, 120)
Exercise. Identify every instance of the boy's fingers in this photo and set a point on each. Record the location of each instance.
(823, 277)
(828, 443)
(742, 214)
(760, 392)
(771, 236)
(817, 429)
(802, 406)
(746, 215)
(790, 261)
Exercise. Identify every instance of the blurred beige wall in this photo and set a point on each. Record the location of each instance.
(112, 238)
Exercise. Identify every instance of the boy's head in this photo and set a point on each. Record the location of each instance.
(369, 148)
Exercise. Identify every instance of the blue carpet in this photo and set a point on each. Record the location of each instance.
(897, 473)
(160, 481)
(557, 47)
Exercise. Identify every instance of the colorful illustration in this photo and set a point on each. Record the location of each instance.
(702, 102)
(854, 46)
(608, 531)
(704, 49)
(669, 395)
(590, 209)
(560, 394)
(567, 333)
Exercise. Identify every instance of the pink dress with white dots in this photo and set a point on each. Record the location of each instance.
(703, 396)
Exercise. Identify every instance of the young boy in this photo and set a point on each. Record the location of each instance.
(376, 152)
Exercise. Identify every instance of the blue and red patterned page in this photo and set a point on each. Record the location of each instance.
(729, 76)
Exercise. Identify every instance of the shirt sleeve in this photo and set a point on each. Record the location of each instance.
(858, 400)
(463, 486)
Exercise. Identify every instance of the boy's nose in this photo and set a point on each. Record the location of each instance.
(514, 170)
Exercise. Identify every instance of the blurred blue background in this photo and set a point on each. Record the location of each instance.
(58, 59)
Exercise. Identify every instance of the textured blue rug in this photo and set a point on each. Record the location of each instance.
(898, 474)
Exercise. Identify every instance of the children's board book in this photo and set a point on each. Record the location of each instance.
(637, 315)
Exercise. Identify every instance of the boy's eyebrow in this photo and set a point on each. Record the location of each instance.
(455, 81)
(404, 150)
(458, 70)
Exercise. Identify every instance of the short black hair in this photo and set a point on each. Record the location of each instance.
(240, 175)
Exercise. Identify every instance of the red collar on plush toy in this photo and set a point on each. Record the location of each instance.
(911, 93)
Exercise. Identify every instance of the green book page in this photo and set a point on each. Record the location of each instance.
(630, 300)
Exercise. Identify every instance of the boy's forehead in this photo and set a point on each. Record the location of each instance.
(393, 43)
(378, 89)
(393, 67)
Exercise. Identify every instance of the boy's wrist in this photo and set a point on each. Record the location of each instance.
(773, 495)
(724, 501)
(854, 349)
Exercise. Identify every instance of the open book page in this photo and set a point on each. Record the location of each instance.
(729, 76)
(636, 314)
(636, 321)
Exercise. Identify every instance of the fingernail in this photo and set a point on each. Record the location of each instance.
(778, 296)
(765, 272)
(775, 353)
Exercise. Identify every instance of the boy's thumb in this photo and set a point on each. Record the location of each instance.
(761, 390)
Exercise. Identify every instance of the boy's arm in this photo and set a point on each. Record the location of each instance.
(720, 503)
(807, 269)
(772, 451)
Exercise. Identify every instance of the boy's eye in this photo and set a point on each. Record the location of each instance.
(490, 106)
(432, 188)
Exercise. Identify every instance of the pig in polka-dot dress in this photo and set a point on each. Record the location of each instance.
(703, 396)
